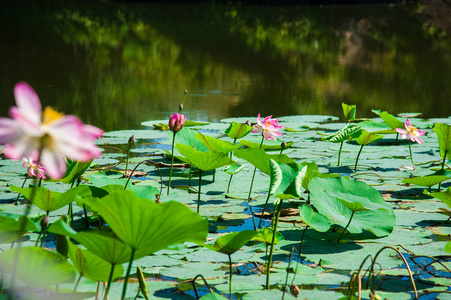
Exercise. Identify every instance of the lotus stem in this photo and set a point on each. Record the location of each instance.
(124, 289)
(194, 285)
(44, 231)
(86, 216)
(397, 136)
(357, 159)
(198, 195)
(339, 153)
(97, 290)
(230, 181)
(271, 250)
(110, 279)
(286, 278)
(349, 222)
(230, 279)
(18, 195)
(172, 161)
(183, 101)
(264, 207)
(75, 287)
(252, 183)
(405, 262)
(443, 167)
(126, 162)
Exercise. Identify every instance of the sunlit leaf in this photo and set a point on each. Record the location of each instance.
(234, 169)
(187, 136)
(265, 146)
(231, 242)
(356, 203)
(347, 132)
(10, 228)
(215, 144)
(379, 222)
(349, 111)
(389, 119)
(313, 219)
(102, 243)
(264, 235)
(426, 180)
(37, 267)
(204, 160)
(366, 138)
(443, 132)
(146, 226)
(92, 266)
(260, 159)
(50, 201)
(74, 170)
(238, 130)
(444, 196)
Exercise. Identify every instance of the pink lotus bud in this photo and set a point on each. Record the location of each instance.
(131, 141)
(176, 122)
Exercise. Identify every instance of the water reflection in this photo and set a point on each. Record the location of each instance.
(116, 65)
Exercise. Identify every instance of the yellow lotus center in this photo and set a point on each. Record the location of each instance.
(412, 130)
(50, 115)
(267, 124)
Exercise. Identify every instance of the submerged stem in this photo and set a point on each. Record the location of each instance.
(124, 289)
(349, 222)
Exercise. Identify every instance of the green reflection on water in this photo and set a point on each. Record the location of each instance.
(116, 65)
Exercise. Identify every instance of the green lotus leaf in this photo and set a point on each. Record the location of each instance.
(91, 266)
(260, 159)
(389, 119)
(234, 169)
(37, 267)
(443, 132)
(284, 176)
(215, 144)
(50, 201)
(366, 138)
(146, 226)
(444, 196)
(238, 130)
(102, 243)
(356, 203)
(426, 180)
(10, 228)
(187, 136)
(379, 222)
(264, 235)
(74, 170)
(231, 242)
(313, 219)
(448, 247)
(212, 296)
(347, 132)
(266, 146)
(349, 111)
(204, 160)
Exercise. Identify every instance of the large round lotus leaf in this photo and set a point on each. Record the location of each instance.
(37, 267)
(232, 242)
(379, 222)
(146, 226)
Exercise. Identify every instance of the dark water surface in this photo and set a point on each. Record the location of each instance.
(116, 65)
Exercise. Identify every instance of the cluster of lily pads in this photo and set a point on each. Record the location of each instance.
(302, 226)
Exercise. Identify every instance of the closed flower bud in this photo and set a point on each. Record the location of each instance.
(180, 108)
(44, 222)
(248, 123)
(131, 141)
(176, 122)
(283, 145)
(294, 290)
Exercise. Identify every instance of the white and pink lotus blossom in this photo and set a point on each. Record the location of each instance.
(269, 127)
(52, 134)
(410, 132)
(34, 168)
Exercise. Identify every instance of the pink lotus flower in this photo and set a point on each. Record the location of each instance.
(269, 127)
(35, 169)
(176, 122)
(410, 132)
(50, 133)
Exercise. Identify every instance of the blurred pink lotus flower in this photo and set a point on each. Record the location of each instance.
(269, 127)
(50, 133)
(35, 169)
(410, 132)
(176, 122)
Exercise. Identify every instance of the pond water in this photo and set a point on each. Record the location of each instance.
(116, 65)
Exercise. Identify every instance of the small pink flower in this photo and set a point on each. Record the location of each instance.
(406, 168)
(51, 133)
(176, 122)
(269, 127)
(34, 169)
(410, 132)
